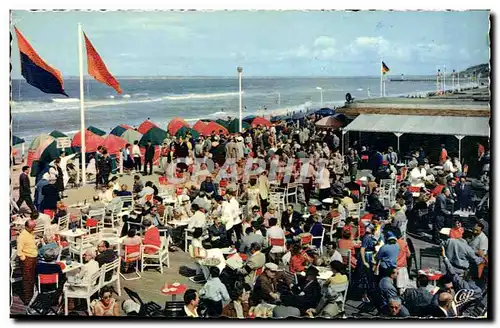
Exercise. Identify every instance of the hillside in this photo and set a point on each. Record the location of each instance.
(483, 69)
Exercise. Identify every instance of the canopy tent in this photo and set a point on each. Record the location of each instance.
(118, 130)
(224, 123)
(114, 143)
(175, 124)
(183, 131)
(330, 122)
(214, 127)
(249, 118)
(17, 140)
(325, 112)
(199, 126)
(156, 135)
(131, 136)
(234, 126)
(260, 121)
(97, 131)
(44, 149)
(457, 126)
(146, 126)
(92, 141)
(57, 134)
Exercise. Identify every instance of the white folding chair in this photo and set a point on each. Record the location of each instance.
(97, 215)
(114, 219)
(161, 255)
(346, 259)
(129, 200)
(78, 246)
(341, 288)
(291, 191)
(114, 268)
(321, 239)
(132, 254)
(63, 222)
(354, 210)
(84, 290)
(187, 238)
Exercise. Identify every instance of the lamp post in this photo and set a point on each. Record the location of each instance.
(240, 72)
(279, 98)
(321, 91)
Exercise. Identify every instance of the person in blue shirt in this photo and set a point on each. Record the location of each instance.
(365, 262)
(214, 294)
(387, 256)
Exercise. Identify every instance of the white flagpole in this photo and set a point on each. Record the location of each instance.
(82, 108)
(381, 80)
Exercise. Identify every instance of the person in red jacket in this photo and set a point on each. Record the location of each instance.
(151, 237)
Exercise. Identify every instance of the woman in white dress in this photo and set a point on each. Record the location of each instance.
(253, 195)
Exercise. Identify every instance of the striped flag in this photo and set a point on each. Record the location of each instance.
(98, 69)
(36, 71)
(385, 68)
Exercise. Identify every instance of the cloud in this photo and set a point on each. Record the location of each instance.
(323, 47)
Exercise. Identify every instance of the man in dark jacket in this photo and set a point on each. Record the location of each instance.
(104, 166)
(148, 158)
(375, 206)
(97, 157)
(50, 195)
(464, 194)
(25, 189)
(441, 212)
(290, 217)
(106, 255)
(60, 177)
(217, 233)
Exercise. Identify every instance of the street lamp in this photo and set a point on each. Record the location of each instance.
(321, 90)
(239, 69)
(279, 98)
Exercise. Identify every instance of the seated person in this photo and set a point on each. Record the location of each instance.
(208, 186)
(265, 288)
(214, 294)
(299, 260)
(316, 230)
(417, 300)
(251, 236)
(238, 308)
(124, 192)
(198, 220)
(395, 309)
(138, 185)
(47, 243)
(49, 266)
(218, 234)
(271, 213)
(346, 243)
(106, 306)
(61, 211)
(131, 239)
(256, 260)
(94, 206)
(90, 266)
(151, 237)
(115, 201)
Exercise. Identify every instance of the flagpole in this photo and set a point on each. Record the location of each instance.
(381, 80)
(82, 107)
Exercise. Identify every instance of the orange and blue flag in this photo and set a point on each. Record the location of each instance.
(385, 68)
(36, 71)
(98, 69)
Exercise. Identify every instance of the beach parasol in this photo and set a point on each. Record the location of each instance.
(17, 140)
(156, 135)
(234, 126)
(214, 127)
(126, 126)
(97, 131)
(114, 143)
(146, 126)
(200, 126)
(131, 136)
(92, 141)
(260, 121)
(333, 122)
(175, 124)
(58, 134)
(325, 112)
(183, 131)
(249, 118)
(118, 130)
(44, 149)
(298, 116)
(224, 123)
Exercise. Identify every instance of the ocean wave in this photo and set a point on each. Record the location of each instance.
(61, 104)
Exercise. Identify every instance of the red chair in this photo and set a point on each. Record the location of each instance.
(257, 273)
(413, 189)
(277, 242)
(306, 240)
(132, 254)
(50, 213)
(48, 279)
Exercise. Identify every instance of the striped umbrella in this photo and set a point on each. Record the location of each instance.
(131, 136)
(44, 149)
(183, 131)
(97, 131)
(146, 126)
(175, 124)
(118, 130)
(92, 141)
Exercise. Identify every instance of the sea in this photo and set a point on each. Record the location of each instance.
(161, 99)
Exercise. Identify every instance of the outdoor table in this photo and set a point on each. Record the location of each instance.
(174, 290)
(431, 274)
(235, 261)
(315, 202)
(464, 214)
(71, 234)
(228, 251)
(324, 273)
(73, 265)
(178, 223)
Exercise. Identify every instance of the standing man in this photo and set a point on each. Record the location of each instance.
(27, 251)
(25, 189)
(136, 152)
(97, 157)
(104, 167)
(441, 213)
(148, 158)
(60, 177)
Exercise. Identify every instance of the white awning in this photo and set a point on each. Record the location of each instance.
(439, 125)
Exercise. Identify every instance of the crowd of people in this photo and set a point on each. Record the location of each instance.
(305, 222)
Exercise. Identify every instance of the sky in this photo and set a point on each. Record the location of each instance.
(264, 43)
